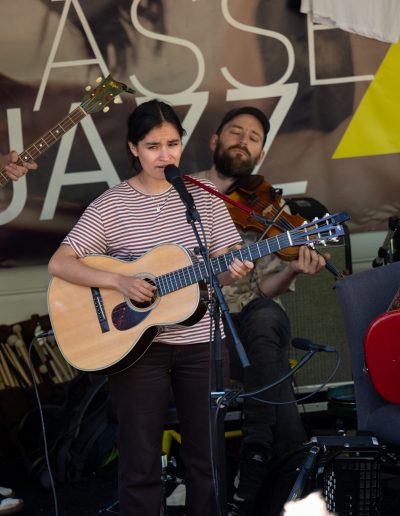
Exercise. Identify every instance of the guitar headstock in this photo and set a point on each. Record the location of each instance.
(96, 99)
(327, 228)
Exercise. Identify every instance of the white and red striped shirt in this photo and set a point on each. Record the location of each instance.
(125, 223)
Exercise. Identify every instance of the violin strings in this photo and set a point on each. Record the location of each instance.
(281, 221)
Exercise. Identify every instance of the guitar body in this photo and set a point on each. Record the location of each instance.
(108, 336)
(382, 354)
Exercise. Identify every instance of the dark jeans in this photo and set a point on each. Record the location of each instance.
(141, 396)
(264, 331)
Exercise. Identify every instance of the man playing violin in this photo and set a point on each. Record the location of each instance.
(269, 430)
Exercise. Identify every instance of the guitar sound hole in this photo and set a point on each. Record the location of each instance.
(146, 304)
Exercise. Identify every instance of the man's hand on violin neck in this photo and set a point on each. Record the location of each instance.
(308, 261)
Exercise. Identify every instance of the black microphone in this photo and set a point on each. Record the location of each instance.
(307, 345)
(174, 176)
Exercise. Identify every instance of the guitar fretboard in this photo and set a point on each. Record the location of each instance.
(47, 140)
(181, 278)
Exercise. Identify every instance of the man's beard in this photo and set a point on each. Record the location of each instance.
(231, 165)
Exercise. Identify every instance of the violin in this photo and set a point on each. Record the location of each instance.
(261, 197)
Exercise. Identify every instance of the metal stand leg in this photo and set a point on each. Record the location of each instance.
(164, 465)
(301, 481)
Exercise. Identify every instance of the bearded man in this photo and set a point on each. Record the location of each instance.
(270, 431)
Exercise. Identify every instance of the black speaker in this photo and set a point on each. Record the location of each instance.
(307, 207)
(315, 314)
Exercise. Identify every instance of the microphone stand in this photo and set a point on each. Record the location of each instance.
(219, 399)
(218, 437)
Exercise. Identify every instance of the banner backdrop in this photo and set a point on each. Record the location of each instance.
(332, 98)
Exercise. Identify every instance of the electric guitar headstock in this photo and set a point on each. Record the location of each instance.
(94, 100)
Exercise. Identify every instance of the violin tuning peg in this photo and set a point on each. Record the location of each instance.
(99, 79)
(88, 88)
(106, 109)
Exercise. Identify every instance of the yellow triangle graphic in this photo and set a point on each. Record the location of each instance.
(375, 126)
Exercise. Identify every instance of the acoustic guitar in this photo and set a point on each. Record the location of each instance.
(100, 330)
(95, 100)
(382, 354)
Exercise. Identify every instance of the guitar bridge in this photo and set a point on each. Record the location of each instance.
(99, 307)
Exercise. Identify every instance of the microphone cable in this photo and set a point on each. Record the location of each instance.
(252, 394)
(316, 391)
(42, 423)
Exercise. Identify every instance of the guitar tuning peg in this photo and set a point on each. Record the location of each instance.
(88, 87)
(106, 109)
(323, 242)
(314, 219)
(99, 79)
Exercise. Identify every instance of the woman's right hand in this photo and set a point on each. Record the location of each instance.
(66, 264)
(136, 288)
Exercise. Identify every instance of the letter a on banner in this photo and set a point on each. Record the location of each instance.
(51, 63)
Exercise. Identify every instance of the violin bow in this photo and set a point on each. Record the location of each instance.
(260, 218)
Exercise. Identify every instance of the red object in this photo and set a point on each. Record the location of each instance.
(382, 354)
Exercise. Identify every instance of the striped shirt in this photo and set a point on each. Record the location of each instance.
(125, 223)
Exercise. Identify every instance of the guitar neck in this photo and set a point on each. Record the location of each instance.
(186, 276)
(46, 141)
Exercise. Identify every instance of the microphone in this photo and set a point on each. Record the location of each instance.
(307, 345)
(174, 176)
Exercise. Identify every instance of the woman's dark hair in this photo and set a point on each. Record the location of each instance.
(146, 117)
